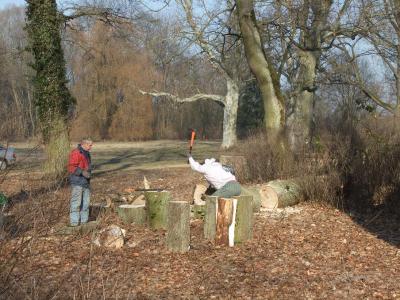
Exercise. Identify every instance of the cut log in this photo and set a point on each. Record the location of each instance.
(239, 164)
(210, 218)
(276, 193)
(226, 213)
(132, 213)
(178, 226)
(281, 193)
(156, 203)
(244, 219)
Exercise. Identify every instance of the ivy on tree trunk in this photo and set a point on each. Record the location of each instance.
(52, 97)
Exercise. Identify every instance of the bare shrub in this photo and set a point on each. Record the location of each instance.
(356, 165)
(318, 169)
(266, 161)
(374, 176)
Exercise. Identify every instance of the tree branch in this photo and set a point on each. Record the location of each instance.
(216, 98)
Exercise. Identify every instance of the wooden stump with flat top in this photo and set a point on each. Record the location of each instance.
(210, 217)
(156, 204)
(244, 219)
(132, 213)
(254, 192)
(178, 226)
(229, 221)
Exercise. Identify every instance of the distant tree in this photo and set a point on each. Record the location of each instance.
(51, 94)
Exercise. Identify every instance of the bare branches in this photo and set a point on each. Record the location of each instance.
(197, 97)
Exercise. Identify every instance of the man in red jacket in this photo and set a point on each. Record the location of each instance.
(80, 169)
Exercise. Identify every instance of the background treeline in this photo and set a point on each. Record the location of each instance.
(106, 68)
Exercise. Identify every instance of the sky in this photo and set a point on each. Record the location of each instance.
(5, 3)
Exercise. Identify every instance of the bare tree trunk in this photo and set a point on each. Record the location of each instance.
(299, 124)
(31, 112)
(229, 136)
(230, 102)
(262, 69)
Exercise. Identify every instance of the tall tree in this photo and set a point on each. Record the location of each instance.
(263, 69)
(51, 94)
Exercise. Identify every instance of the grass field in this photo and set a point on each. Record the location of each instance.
(124, 156)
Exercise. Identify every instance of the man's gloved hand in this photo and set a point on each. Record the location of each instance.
(86, 174)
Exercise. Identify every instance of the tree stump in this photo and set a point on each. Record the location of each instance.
(210, 218)
(156, 204)
(244, 219)
(132, 213)
(255, 193)
(239, 163)
(178, 226)
(229, 221)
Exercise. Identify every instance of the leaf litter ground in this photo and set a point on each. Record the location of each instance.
(308, 251)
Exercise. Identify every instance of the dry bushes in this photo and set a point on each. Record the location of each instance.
(317, 171)
(356, 167)
(374, 175)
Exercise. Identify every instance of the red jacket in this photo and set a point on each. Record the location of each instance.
(77, 159)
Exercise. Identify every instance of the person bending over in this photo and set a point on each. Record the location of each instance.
(220, 179)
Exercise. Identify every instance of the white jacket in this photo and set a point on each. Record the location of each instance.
(213, 172)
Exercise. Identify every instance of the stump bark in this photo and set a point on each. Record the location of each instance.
(226, 214)
(156, 204)
(132, 213)
(210, 218)
(244, 219)
(254, 192)
(178, 226)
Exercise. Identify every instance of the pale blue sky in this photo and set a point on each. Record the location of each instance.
(5, 3)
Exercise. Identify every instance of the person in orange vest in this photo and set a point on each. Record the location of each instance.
(80, 171)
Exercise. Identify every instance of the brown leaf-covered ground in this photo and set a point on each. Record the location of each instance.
(310, 251)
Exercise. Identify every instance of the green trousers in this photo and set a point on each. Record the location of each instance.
(232, 188)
